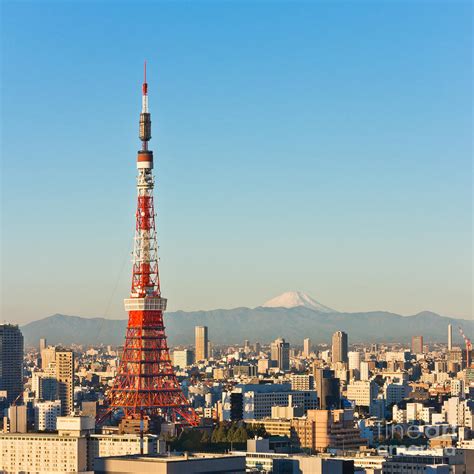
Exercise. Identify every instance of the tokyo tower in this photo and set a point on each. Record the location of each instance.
(145, 384)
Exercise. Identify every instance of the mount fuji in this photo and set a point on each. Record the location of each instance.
(294, 299)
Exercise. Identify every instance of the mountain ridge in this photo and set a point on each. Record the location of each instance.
(231, 326)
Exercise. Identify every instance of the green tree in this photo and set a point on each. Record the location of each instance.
(240, 435)
(230, 433)
(256, 430)
(205, 438)
(219, 435)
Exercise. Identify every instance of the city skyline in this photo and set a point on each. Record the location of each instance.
(277, 195)
(369, 209)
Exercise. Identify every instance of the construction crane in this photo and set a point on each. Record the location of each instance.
(468, 347)
(16, 400)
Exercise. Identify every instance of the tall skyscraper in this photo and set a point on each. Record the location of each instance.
(201, 343)
(450, 337)
(48, 356)
(17, 419)
(257, 348)
(339, 347)
(354, 360)
(65, 380)
(11, 361)
(42, 344)
(327, 387)
(417, 345)
(306, 347)
(280, 353)
(44, 384)
(364, 370)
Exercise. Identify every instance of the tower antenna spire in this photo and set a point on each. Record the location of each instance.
(145, 85)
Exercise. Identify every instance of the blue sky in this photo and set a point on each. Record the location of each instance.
(322, 146)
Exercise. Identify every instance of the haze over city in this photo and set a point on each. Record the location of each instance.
(325, 150)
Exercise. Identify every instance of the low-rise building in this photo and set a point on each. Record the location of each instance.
(187, 463)
(73, 448)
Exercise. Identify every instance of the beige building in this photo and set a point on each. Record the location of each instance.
(16, 421)
(362, 392)
(280, 353)
(336, 429)
(189, 464)
(306, 347)
(40, 452)
(48, 356)
(339, 347)
(65, 380)
(417, 345)
(319, 431)
(302, 382)
(100, 445)
(201, 342)
(73, 449)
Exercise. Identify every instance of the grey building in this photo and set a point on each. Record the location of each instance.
(327, 387)
(280, 354)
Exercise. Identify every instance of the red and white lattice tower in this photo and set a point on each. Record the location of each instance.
(146, 384)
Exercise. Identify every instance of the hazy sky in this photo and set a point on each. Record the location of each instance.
(323, 147)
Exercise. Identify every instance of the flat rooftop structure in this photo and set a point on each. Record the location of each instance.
(174, 464)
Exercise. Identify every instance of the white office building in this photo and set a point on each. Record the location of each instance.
(354, 360)
(254, 401)
(46, 414)
(362, 392)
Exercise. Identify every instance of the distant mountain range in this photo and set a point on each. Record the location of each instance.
(264, 323)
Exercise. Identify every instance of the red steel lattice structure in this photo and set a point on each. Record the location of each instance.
(146, 384)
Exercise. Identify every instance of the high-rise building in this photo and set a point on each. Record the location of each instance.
(280, 353)
(417, 345)
(364, 370)
(257, 348)
(336, 429)
(302, 382)
(201, 343)
(354, 360)
(11, 361)
(65, 380)
(183, 358)
(42, 344)
(255, 401)
(327, 387)
(44, 384)
(246, 346)
(362, 392)
(48, 357)
(209, 349)
(450, 337)
(339, 347)
(46, 414)
(17, 420)
(306, 347)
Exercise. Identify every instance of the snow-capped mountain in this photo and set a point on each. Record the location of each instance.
(292, 299)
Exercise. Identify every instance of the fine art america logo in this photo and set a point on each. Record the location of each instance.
(413, 437)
